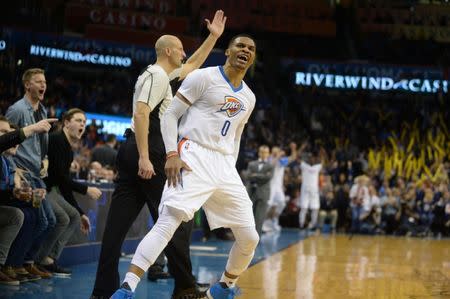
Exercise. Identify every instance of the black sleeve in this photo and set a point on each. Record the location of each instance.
(11, 139)
(58, 159)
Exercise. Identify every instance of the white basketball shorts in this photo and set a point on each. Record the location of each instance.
(309, 199)
(213, 184)
(277, 199)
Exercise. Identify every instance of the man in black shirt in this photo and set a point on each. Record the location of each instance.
(60, 187)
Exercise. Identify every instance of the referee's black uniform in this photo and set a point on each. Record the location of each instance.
(130, 194)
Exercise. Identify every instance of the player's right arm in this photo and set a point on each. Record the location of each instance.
(190, 91)
(169, 131)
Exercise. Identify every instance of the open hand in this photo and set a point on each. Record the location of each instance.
(218, 24)
(173, 170)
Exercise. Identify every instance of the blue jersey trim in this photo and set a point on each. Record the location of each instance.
(228, 80)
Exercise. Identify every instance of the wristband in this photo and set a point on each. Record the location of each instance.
(22, 135)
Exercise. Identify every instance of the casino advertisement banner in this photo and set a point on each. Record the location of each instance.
(365, 76)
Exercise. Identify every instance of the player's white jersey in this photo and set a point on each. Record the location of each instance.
(277, 180)
(217, 109)
(310, 176)
(152, 87)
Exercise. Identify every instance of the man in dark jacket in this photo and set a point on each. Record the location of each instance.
(259, 174)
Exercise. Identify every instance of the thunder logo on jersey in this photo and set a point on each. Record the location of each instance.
(232, 106)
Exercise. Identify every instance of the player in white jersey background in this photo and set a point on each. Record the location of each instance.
(309, 193)
(214, 105)
(140, 164)
(277, 200)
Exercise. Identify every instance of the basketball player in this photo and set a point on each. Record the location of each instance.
(215, 104)
(140, 162)
(277, 200)
(309, 194)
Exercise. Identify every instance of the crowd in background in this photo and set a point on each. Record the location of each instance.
(405, 157)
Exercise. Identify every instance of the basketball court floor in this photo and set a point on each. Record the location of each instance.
(292, 265)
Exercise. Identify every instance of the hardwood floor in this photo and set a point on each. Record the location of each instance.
(361, 267)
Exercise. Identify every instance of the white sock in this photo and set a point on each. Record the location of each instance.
(230, 282)
(132, 280)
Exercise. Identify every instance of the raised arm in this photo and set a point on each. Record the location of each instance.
(196, 60)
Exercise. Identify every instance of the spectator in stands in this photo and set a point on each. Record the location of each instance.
(341, 191)
(106, 154)
(359, 193)
(439, 214)
(409, 218)
(390, 212)
(12, 218)
(31, 154)
(258, 175)
(425, 209)
(61, 187)
(328, 211)
(16, 194)
(370, 217)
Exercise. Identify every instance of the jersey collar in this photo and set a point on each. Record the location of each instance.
(228, 80)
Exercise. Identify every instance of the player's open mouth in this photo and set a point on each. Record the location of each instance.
(80, 131)
(41, 92)
(242, 58)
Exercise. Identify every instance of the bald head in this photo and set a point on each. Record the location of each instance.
(164, 42)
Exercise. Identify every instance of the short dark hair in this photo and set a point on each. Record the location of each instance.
(70, 113)
(111, 138)
(240, 35)
(3, 118)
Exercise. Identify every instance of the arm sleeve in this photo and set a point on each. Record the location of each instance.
(11, 139)
(153, 89)
(169, 123)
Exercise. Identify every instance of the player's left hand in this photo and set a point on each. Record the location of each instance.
(218, 23)
(85, 224)
(173, 170)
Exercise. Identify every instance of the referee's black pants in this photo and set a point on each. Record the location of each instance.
(130, 195)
